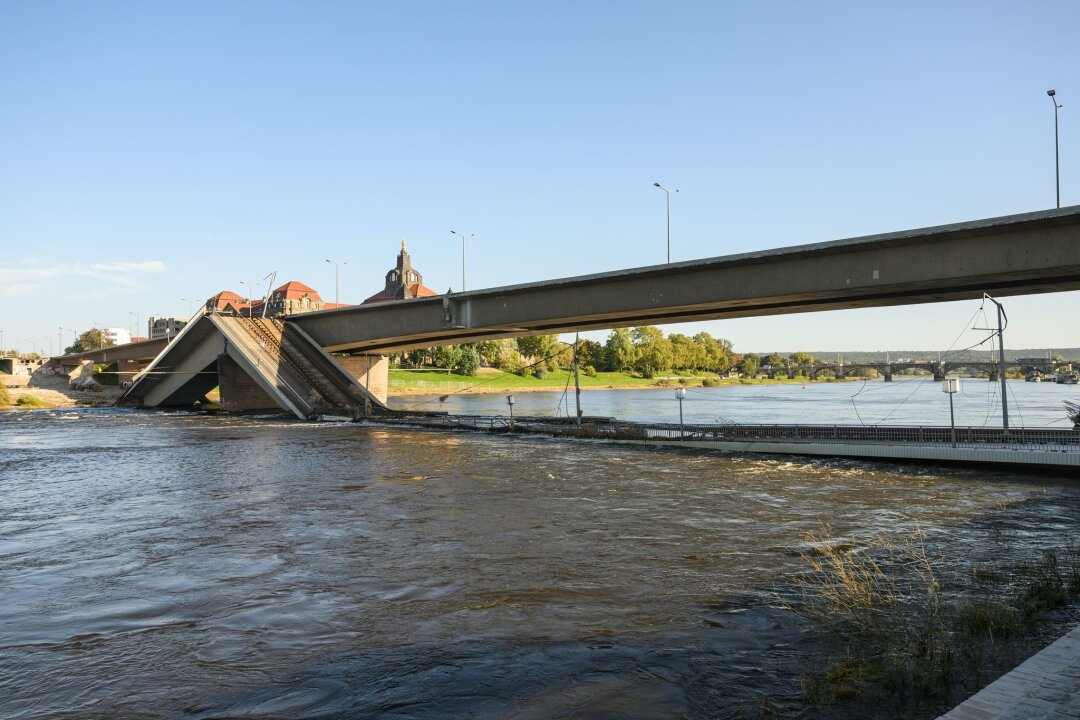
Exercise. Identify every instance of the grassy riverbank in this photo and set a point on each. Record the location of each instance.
(429, 380)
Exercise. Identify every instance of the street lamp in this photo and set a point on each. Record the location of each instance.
(951, 386)
(132, 312)
(667, 193)
(189, 311)
(680, 394)
(462, 236)
(1057, 158)
(510, 402)
(337, 299)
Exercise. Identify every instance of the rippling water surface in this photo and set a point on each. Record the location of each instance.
(182, 565)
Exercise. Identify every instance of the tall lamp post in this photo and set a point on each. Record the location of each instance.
(462, 236)
(680, 393)
(132, 312)
(667, 193)
(951, 386)
(510, 402)
(337, 268)
(1057, 157)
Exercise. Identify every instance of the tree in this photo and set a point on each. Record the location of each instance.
(92, 339)
(716, 353)
(800, 358)
(540, 347)
(654, 351)
(619, 351)
(446, 356)
(685, 353)
(590, 352)
(748, 365)
(468, 360)
(775, 361)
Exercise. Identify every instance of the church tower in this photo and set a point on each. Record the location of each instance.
(403, 282)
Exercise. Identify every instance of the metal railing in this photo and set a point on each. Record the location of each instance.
(1061, 440)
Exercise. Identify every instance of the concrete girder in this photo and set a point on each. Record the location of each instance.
(1020, 254)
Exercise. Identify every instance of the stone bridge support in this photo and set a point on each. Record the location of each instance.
(371, 371)
(239, 392)
(939, 373)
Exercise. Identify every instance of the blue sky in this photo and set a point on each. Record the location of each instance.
(151, 152)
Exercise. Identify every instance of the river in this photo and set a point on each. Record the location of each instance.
(917, 401)
(157, 564)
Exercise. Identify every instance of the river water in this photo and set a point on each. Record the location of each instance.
(917, 401)
(160, 564)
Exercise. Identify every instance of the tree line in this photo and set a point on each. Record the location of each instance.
(641, 350)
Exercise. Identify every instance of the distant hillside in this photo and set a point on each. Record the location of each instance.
(855, 356)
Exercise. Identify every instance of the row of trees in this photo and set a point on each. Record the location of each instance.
(752, 363)
(643, 350)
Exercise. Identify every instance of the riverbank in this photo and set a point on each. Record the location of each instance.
(430, 381)
(23, 393)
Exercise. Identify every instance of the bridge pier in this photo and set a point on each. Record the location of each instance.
(371, 371)
(888, 376)
(939, 373)
(239, 392)
(994, 376)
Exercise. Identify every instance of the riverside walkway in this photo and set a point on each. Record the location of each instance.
(1040, 448)
(1046, 685)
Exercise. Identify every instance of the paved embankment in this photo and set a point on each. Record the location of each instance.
(1047, 685)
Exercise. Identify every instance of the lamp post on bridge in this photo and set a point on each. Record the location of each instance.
(1057, 156)
(462, 236)
(667, 194)
(337, 268)
(132, 312)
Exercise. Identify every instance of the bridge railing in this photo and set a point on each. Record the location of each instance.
(1062, 440)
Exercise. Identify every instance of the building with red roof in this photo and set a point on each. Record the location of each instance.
(402, 283)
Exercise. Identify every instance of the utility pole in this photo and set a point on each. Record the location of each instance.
(337, 296)
(1002, 321)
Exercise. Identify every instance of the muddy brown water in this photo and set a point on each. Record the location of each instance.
(182, 565)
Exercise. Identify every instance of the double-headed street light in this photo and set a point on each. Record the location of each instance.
(667, 193)
(1057, 157)
(462, 236)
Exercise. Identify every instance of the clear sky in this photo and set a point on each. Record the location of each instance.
(152, 151)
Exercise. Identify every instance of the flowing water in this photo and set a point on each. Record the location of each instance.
(183, 565)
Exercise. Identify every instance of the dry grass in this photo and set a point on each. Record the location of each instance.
(5, 396)
(892, 632)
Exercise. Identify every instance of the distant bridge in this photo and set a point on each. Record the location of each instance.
(1015, 255)
(938, 369)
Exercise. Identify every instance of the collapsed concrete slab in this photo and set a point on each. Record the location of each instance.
(258, 365)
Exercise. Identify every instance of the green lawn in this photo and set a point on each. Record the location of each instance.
(434, 379)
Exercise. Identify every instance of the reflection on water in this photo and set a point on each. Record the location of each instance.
(168, 564)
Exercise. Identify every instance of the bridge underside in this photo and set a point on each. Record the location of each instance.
(258, 365)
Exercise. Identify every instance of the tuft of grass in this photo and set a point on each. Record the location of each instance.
(986, 618)
(5, 396)
(28, 401)
(890, 629)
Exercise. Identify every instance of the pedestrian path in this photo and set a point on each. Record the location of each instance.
(1046, 685)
